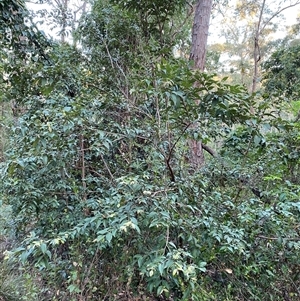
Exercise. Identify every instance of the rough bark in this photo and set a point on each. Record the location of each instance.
(256, 53)
(200, 33)
(198, 55)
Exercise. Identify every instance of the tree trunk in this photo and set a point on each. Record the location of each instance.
(256, 52)
(200, 33)
(64, 11)
(198, 55)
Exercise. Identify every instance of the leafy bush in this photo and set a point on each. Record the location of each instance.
(104, 201)
(107, 206)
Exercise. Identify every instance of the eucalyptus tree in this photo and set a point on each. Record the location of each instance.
(260, 27)
(200, 30)
(249, 30)
(200, 33)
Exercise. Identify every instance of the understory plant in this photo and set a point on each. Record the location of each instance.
(105, 202)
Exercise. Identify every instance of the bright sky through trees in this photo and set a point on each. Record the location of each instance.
(217, 24)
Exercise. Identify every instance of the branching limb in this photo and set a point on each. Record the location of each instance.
(209, 150)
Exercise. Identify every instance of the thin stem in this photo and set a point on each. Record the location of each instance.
(83, 166)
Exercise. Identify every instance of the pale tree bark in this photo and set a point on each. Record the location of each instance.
(256, 52)
(64, 20)
(198, 55)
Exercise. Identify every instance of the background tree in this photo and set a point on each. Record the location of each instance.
(62, 15)
(255, 20)
(261, 25)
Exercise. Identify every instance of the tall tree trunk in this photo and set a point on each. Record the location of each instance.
(256, 52)
(198, 55)
(64, 8)
(200, 33)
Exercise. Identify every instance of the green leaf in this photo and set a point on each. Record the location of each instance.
(161, 268)
(43, 247)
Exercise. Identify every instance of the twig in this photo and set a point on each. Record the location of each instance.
(83, 166)
(184, 21)
(86, 280)
(171, 149)
(277, 238)
(160, 191)
(107, 167)
(277, 13)
(167, 239)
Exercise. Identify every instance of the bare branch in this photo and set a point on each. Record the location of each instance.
(277, 13)
(107, 168)
(277, 238)
(209, 150)
(83, 166)
(189, 13)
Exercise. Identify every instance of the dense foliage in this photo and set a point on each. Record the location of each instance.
(100, 201)
(282, 72)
